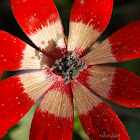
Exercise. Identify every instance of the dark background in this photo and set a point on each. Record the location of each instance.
(124, 12)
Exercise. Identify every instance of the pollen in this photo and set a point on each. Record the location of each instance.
(69, 67)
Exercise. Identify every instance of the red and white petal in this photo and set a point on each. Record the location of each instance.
(54, 115)
(88, 20)
(98, 119)
(115, 84)
(40, 20)
(123, 45)
(19, 93)
(17, 55)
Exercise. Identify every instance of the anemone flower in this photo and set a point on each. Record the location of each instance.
(66, 71)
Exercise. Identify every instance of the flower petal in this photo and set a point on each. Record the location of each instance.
(88, 20)
(123, 45)
(40, 20)
(17, 55)
(19, 93)
(98, 119)
(115, 84)
(53, 119)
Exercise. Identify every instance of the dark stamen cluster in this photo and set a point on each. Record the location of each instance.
(69, 67)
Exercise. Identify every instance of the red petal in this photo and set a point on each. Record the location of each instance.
(98, 119)
(88, 20)
(19, 93)
(53, 119)
(17, 55)
(123, 45)
(40, 20)
(115, 84)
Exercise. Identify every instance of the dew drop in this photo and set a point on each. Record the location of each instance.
(135, 51)
(97, 129)
(105, 120)
(58, 126)
(107, 129)
(118, 44)
(16, 97)
(104, 132)
(82, 1)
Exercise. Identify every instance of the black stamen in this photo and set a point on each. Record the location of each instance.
(68, 67)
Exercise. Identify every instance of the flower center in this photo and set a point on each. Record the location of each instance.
(68, 67)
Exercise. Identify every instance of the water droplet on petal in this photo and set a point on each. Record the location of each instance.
(16, 97)
(58, 126)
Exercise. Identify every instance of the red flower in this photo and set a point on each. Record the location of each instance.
(71, 73)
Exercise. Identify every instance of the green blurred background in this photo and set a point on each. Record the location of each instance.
(124, 12)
